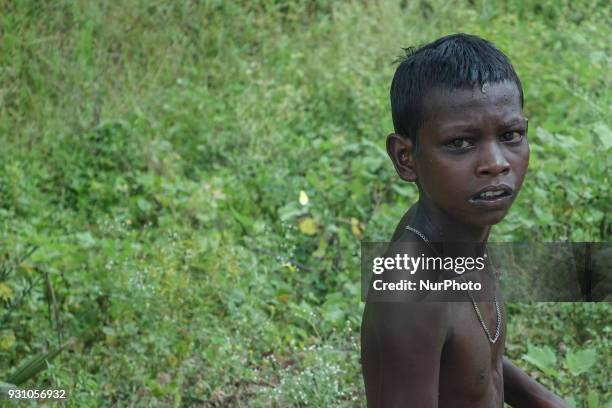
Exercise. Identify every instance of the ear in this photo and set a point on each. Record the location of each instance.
(401, 151)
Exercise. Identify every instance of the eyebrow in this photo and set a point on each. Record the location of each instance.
(515, 122)
(468, 128)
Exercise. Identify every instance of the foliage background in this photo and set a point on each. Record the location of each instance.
(153, 154)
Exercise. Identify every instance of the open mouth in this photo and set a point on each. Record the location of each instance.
(493, 193)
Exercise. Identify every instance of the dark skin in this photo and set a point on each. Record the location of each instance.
(436, 354)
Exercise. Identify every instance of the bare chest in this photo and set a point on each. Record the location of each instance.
(471, 368)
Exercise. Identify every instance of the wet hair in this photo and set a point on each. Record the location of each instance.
(451, 62)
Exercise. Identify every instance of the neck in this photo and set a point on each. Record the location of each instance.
(439, 226)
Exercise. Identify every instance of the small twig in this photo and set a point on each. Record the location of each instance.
(27, 254)
(51, 301)
(338, 258)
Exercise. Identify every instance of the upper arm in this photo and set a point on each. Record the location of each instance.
(402, 346)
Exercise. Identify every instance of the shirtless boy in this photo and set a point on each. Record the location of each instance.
(460, 132)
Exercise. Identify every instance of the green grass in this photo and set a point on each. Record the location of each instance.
(153, 153)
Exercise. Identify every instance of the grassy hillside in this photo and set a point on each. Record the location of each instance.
(153, 155)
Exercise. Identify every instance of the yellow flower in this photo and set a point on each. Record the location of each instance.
(308, 226)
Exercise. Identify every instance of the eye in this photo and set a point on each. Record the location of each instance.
(458, 144)
(513, 136)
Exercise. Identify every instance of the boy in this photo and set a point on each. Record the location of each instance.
(460, 135)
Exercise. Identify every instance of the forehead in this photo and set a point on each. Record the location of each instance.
(492, 102)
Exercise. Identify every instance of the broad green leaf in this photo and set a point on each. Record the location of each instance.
(604, 133)
(144, 205)
(543, 358)
(580, 361)
(109, 331)
(332, 310)
(290, 211)
(86, 240)
(592, 400)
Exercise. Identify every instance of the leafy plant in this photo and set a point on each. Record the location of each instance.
(197, 177)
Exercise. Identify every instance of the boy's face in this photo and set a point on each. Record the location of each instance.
(473, 141)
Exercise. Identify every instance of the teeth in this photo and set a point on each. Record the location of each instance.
(492, 194)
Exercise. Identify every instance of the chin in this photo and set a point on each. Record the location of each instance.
(490, 219)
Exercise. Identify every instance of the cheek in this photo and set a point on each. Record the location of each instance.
(448, 179)
(521, 161)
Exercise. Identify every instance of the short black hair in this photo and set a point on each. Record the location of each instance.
(451, 62)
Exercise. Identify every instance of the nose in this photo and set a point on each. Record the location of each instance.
(492, 161)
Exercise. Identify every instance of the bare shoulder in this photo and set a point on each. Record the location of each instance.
(424, 319)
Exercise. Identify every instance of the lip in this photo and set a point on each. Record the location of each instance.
(497, 203)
